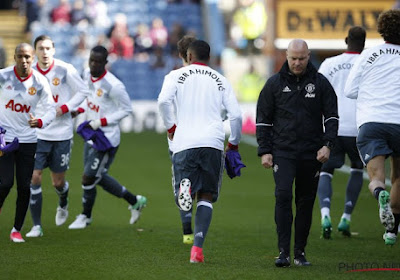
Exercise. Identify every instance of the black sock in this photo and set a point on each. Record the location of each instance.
(187, 228)
(377, 191)
(130, 198)
(396, 223)
(88, 201)
(63, 195)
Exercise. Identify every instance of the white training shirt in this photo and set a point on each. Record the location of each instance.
(374, 81)
(67, 89)
(200, 93)
(174, 112)
(19, 98)
(109, 102)
(336, 69)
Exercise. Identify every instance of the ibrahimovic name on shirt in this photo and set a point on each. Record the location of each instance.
(198, 71)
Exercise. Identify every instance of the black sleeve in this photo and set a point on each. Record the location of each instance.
(264, 119)
(330, 111)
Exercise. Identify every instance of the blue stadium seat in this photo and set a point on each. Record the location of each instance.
(141, 81)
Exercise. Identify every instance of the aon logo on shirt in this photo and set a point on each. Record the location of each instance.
(93, 106)
(17, 107)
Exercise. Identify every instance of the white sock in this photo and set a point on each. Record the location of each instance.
(346, 216)
(325, 211)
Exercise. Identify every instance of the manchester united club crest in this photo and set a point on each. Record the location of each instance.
(32, 91)
(310, 88)
(56, 81)
(99, 92)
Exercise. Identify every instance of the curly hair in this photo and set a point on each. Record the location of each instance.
(388, 26)
(183, 45)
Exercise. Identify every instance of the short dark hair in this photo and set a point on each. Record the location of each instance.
(357, 34)
(21, 46)
(201, 49)
(183, 45)
(42, 38)
(388, 26)
(102, 50)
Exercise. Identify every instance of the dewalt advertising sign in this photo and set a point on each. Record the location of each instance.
(326, 19)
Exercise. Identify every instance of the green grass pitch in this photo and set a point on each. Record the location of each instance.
(241, 243)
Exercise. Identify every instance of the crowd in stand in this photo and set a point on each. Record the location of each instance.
(145, 42)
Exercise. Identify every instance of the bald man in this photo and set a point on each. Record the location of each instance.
(22, 89)
(297, 122)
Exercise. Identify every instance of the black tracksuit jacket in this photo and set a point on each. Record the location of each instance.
(292, 113)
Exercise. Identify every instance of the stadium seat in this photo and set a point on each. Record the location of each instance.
(141, 81)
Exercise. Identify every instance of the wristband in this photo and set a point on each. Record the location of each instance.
(233, 147)
(172, 129)
(64, 109)
(40, 123)
(80, 110)
(103, 121)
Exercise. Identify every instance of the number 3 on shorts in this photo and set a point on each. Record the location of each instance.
(64, 159)
(95, 164)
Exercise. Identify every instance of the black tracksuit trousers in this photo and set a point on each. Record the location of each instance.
(305, 175)
(21, 163)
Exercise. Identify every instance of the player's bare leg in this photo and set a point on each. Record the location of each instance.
(390, 236)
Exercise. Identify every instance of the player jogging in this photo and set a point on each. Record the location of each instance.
(55, 141)
(186, 216)
(198, 136)
(336, 69)
(373, 81)
(22, 90)
(107, 105)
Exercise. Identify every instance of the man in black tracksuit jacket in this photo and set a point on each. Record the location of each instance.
(293, 109)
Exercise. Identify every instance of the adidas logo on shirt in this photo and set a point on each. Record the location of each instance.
(286, 89)
(367, 156)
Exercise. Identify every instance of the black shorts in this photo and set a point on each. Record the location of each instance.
(53, 154)
(97, 162)
(378, 139)
(343, 145)
(202, 166)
